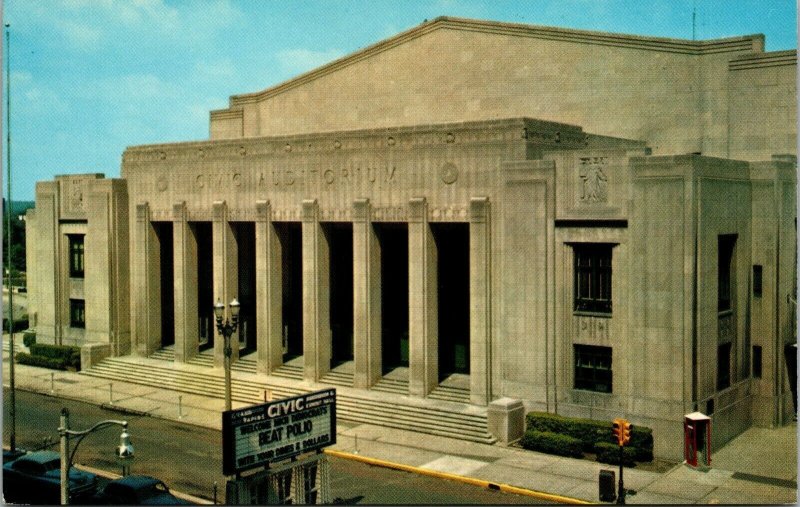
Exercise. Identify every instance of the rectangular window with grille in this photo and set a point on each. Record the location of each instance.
(723, 366)
(593, 277)
(593, 368)
(77, 313)
(75, 255)
(726, 243)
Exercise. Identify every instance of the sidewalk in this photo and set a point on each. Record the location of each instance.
(759, 466)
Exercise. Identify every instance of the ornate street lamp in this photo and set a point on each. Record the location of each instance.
(124, 452)
(226, 328)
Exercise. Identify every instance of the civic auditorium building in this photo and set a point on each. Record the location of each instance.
(598, 225)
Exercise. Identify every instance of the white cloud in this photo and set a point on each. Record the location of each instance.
(302, 60)
(132, 89)
(43, 100)
(81, 35)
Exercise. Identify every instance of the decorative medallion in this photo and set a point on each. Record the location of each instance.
(450, 138)
(161, 184)
(594, 182)
(242, 151)
(391, 141)
(287, 148)
(449, 173)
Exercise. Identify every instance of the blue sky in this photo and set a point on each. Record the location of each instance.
(90, 77)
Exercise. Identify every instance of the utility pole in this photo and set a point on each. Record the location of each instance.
(13, 397)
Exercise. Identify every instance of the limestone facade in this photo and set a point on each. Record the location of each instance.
(429, 204)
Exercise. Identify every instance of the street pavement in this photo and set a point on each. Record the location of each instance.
(758, 467)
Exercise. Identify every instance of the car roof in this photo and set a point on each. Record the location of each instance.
(40, 456)
(136, 480)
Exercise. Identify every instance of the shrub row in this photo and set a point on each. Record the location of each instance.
(20, 323)
(552, 443)
(28, 338)
(71, 356)
(41, 361)
(590, 432)
(609, 453)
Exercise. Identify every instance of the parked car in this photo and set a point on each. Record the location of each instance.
(9, 456)
(35, 478)
(137, 490)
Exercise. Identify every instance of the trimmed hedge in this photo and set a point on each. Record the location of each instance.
(590, 432)
(41, 361)
(609, 453)
(20, 323)
(552, 443)
(71, 356)
(28, 338)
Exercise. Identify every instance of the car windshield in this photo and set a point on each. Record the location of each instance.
(151, 490)
(53, 464)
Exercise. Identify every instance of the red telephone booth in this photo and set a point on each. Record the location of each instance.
(697, 439)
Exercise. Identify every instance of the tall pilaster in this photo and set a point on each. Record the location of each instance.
(51, 316)
(146, 284)
(187, 322)
(366, 297)
(268, 291)
(422, 301)
(316, 295)
(480, 321)
(226, 275)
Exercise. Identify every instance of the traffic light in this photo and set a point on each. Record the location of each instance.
(616, 430)
(626, 432)
(621, 430)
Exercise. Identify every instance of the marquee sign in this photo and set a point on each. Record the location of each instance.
(258, 435)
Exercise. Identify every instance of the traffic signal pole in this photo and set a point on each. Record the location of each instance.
(621, 494)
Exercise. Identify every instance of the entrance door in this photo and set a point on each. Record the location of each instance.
(205, 283)
(164, 235)
(393, 241)
(291, 238)
(452, 242)
(340, 243)
(245, 233)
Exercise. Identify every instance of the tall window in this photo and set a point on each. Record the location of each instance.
(725, 271)
(75, 255)
(758, 276)
(757, 366)
(593, 277)
(593, 368)
(77, 313)
(723, 366)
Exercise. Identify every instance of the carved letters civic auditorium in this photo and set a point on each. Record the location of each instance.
(292, 177)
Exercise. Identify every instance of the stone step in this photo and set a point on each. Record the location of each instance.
(391, 385)
(446, 393)
(439, 420)
(289, 371)
(339, 378)
(348, 408)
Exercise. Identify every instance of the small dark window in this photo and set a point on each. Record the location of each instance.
(593, 368)
(757, 361)
(710, 407)
(724, 274)
(757, 277)
(77, 313)
(593, 278)
(723, 366)
(75, 255)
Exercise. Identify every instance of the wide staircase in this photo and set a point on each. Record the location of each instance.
(443, 417)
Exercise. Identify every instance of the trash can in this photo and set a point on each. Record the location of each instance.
(608, 486)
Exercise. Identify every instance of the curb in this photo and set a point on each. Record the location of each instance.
(459, 478)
